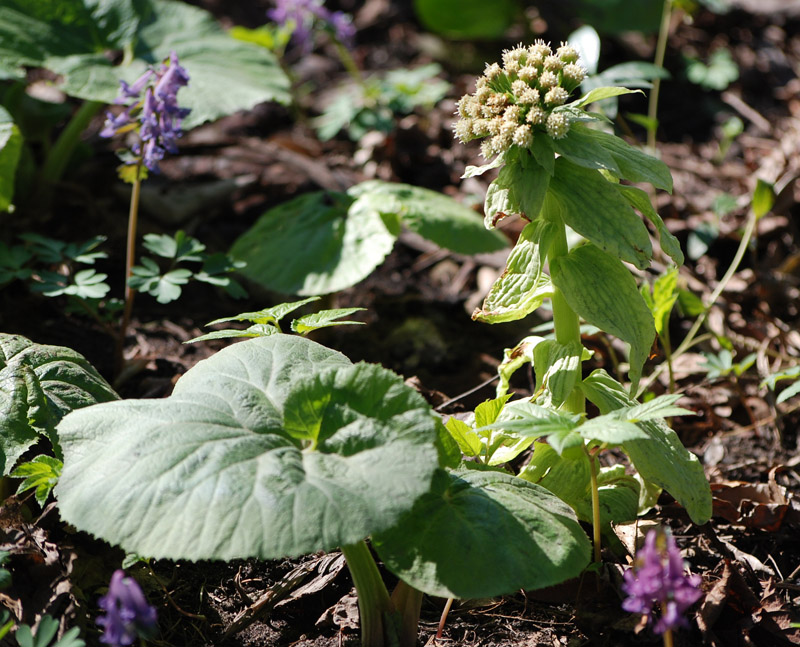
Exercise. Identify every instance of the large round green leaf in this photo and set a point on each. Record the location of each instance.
(314, 244)
(484, 533)
(434, 216)
(274, 447)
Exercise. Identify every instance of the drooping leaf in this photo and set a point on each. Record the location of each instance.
(447, 545)
(601, 290)
(434, 216)
(39, 385)
(272, 447)
(314, 244)
(557, 368)
(523, 285)
(593, 207)
(596, 149)
(661, 458)
(640, 201)
(519, 188)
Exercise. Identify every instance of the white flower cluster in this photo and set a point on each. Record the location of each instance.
(513, 101)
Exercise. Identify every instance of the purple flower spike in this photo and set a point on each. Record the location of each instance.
(128, 615)
(658, 577)
(158, 115)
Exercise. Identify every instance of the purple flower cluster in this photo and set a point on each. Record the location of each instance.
(658, 577)
(157, 116)
(303, 13)
(128, 616)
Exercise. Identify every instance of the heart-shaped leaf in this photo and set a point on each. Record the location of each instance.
(314, 244)
(448, 544)
(273, 447)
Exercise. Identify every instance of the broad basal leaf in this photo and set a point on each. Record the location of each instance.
(593, 207)
(434, 216)
(602, 291)
(661, 458)
(448, 544)
(314, 244)
(39, 385)
(273, 447)
(523, 285)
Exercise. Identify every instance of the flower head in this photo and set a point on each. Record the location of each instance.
(658, 577)
(128, 615)
(156, 115)
(522, 93)
(303, 14)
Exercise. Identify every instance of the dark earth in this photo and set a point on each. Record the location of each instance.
(418, 305)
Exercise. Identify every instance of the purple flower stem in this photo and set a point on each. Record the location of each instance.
(130, 256)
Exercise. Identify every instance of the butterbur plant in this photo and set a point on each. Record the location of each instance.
(277, 447)
(658, 587)
(560, 174)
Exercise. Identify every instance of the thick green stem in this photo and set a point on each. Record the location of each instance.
(667, 638)
(566, 324)
(374, 604)
(61, 152)
(130, 258)
(661, 48)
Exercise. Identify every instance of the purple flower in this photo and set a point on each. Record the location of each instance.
(658, 577)
(128, 615)
(158, 116)
(304, 13)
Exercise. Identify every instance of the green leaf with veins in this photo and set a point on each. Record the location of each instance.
(599, 288)
(323, 319)
(523, 286)
(38, 386)
(39, 474)
(542, 542)
(660, 458)
(434, 216)
(519, 188)
(315, 244)
(570, 481)
(273, 447)
(593, 207)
